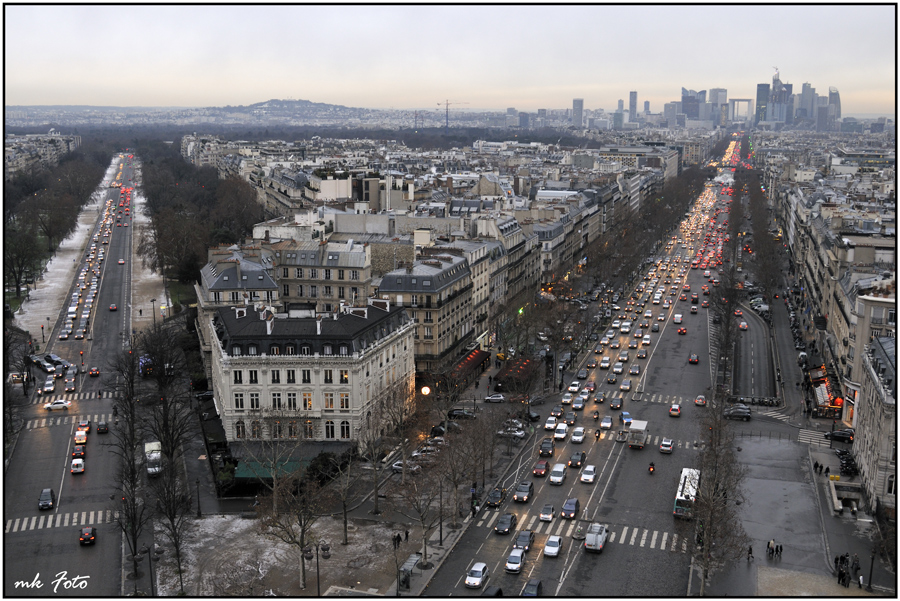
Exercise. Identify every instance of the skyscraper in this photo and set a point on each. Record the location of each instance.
(762, 102)
(834, 99)
(646, 107)
(621, 106)
(632, 106)
(578, 112)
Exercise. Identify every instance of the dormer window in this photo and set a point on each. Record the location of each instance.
(326, 350)
(236, 351)
(343, 349)
(305, 350)
(252, 350)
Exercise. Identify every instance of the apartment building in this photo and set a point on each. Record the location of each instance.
(875, 444)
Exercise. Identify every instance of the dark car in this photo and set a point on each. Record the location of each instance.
(557, 411)
(541, 468)
(570, 418)
(737, 413)
(577, 459)
(533, 588)
(460, 414)
(615, 403)
(570, 509)
(206, 395)
(47, 500)
(78, 451)
(87, 535)
(840, 435)
(102, 428)
(524, 540)
(524, 492)
(84, 426)
(506, 523)
(548, 446)
(495, 497)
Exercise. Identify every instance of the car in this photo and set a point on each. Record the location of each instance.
(694, 358)
(625, 385)
(592, 363)
(557, 411)
(94, 372)
(625, 418)
(553, 546)
(737, 413)
(396, 467)
(562, 430)
(515, 561)
(623, 356)
(611, 379)
(548, 512)
(550, 424)
(615, 403)
(675, 410)
(541, 468)
(567, 398)
(452, 414)
(700, 400)
(84, 426)
(738, 313)
(574, 387)
(121, 261)
(678, 318)
(660, 317)
(618, 368)
(207, 395)
(606, 423)
(582, 375)
(512, 433)
(604, 363)
(840, 435)
(524, 540)
(578, 435)
(477, 575)
(102, 428)
(494, 398)
(588, 474)
(595, 538)
(64, 334)
(113, 307)
(78, 466)
(58, 404)
(495, 497)
(632, 343)
(682, 330)
(615, 344)
(506, 523)
(570, 509)
(642, 354)
(533, 588)
(743, 325)
(666, 445)
(693, 309)
(87, 535)
(634, 370)
(78, 451)
(70, 384)
(524, 491)
(577, 459)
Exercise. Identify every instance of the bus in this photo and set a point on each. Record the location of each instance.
(688, 487)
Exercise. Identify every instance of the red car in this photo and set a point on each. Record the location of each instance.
(541, 468)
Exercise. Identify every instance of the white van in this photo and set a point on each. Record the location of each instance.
(677, 318)
(562, 430)
(558, 474)
(646, 341)
(625, 327)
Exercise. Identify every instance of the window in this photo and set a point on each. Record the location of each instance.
(285, 290)
(292, 401)
(276, 376)
(307, 401)
(305, 350)
(253, 376)
(326, 349)
(306, 376)
(236, 351)
(313, 291)
(327, 274)
(299, 272)
(345, 376)
(313, 274)
(308, 429)
(254, 401)
(235, 297)
(291, 376)
(354, 274)
(428, 318)
(354, 292)
(240, 430)
(217, 297)
(329, 429)
(276, 430)
(255, 429)
(345, 430)
(284, 272)
(343, 349)
(326, 291)
(328, 308)
(345, 401)
(251, 350)
(340, 274)
(329, 401)
(290, 349)
(292, 429)
(238, 376)
(340, 292)
(274, 350)
(414, 301)
(276, 400)
(239, 401)
(300, 290)
(329, 379)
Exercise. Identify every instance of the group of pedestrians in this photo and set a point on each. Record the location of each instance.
(847, 569)
(398, 539)
(817, 468)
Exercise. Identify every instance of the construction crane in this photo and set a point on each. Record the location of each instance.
(447, 104)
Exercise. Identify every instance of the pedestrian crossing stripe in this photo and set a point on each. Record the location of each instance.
(812, 437)
(64, 520)
(75, 396)
(46, 422)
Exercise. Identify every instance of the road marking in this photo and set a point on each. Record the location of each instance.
(58, 518)
(653, 540)
(531, 522)
(569, 531)
(40, 523)
(624, 533)
(612, 536)
(674, 542)
(66, 521)
(16, 525)
(644, 537)
(684, 545)
(33, 520)
(559, 529)
(633, 536)
(91, 518)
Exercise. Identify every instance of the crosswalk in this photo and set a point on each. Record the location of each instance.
(65, 420)
(61, 520)
(633, 536)
(73, 396)
(813, 437)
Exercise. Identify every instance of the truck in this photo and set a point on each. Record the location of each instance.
(153, 456)
(637, 434)
(595, 538)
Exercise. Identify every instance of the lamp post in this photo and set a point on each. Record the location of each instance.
(42, 333)
(153, 305)
(326, 553)
(145, 551)
(871, 566)
(441, 510)
(198, 497)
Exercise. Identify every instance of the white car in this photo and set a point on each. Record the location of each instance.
(553, 546)
(494, 398)
(562, 430)
(578, 435)
(78, 466)
(606, 423)
(604, 363)
(550, 424)
(477, 575)
(666, 446)
(411, 468)
(515, 561)
(616, 324)
(700, 400)
(618, 368)
(574, 387)
(677, 318)
(567, 398)
(58, 404)
(588, 474)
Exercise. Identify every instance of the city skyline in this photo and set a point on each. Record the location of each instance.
(392, 57)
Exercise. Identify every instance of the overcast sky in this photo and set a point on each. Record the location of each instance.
(490, 57)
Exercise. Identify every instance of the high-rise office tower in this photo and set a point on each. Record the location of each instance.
(632, 106)
(762, 102)
(578, 112)
(670, 109)
(646, 107)
(542, 113)
(621, 106)
(834, 99)
(511, 111)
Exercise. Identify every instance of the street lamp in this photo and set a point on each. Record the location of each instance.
(42, 334)
(326, 553)
(871, 565)
(153, 305)
(441, 509)
(198, 497)
(145, 551)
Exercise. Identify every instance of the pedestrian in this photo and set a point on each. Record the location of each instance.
(836, 560)
(821, 465)
(473, 511)
(779, 551)
(827, 470)
(140, 312)
(115, 410)
(394, 541)
(860, 580)
(407, 532)
(749, 553)
(841, 576)
(816, 466)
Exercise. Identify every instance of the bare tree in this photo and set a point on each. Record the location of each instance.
(348, 474)
(173, 506)
(418, 500)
